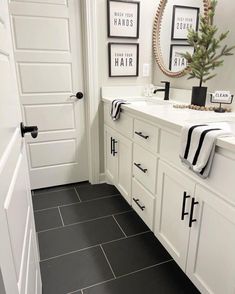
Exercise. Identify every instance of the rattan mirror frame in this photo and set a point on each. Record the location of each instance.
(156, 38)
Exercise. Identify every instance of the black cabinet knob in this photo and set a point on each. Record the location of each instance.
(29, 129)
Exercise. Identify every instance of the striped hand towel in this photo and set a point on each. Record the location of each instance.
(198, 146)
(116, 108)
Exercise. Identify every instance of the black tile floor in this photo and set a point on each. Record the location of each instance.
(92, 242)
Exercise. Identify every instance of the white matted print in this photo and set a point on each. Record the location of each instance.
(178, 62)
(184, 18)
(123, 59)
(123, 19)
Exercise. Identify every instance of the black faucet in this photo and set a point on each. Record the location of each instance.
(166, 90)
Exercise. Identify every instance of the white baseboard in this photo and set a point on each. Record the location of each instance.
(102, 178)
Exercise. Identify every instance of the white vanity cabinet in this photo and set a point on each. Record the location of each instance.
(193, 218)
(211, 256)
(118, 160)
(174, 195)
(197, 228)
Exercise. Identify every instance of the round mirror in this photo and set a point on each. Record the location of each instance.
(172, 21)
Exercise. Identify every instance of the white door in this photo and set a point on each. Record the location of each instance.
(48, 53)
(211, 258)
(173, 232)
(19, 260)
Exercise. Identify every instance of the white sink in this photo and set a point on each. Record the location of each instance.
(143, 101)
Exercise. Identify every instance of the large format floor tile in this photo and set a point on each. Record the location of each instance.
(75, 237)
(93, 209)
(165, 279)
(131, 223)
(47, 219)
(135, 253)
(74, 271)
(54, 198)
(87, 191)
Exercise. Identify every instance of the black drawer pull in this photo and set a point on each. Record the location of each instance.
(141, 135)
(191, 219)
(144, 170)
(185, 197)
(140, 206)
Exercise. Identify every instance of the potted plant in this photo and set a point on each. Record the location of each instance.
(207, 54)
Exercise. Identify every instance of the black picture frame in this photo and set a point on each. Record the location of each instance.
(171, 52)
(137, 19)
(136, 74)
(175, 7)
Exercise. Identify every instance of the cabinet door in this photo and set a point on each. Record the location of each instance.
(123, 147)
(173, 232)
(110, 158)
(211, 259)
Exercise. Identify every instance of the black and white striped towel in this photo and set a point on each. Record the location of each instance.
(198, 146)
(116, 108)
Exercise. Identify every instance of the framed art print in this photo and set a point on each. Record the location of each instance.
(177, 62)
(184, 18)
(123, 19)
(123, 59)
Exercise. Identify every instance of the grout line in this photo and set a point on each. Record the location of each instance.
(76, 203)
(77, 223)
(61, 217)
(70, 252)
(108, 261)
(93, 246)
(63, 205)
(125, 275)
(81, 291)
(77, 194)
(53, 191)
(123, 238)
(119, 226)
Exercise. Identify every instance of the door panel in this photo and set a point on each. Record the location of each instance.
(17, 208)
(124, 160)
(45, 154)
(38, 33)
(169, 228)
(211, 259)
(55, 117)
(15, 196)
(48, 52)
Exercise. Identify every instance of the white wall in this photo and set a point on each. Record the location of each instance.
(147, 12)
(225, 79)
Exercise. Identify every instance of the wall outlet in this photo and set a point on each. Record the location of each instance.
(146, 69)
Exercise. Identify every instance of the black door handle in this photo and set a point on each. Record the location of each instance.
(78, 95)
(140, 206)
(191, 219)
(183, 213)
(30, 129)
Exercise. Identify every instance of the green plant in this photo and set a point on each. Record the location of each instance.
(206, 56)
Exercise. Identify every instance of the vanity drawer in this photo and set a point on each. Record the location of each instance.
(146, 135)
(124, 125)
(144, 167)
(143, 203)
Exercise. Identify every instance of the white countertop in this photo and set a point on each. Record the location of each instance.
(174, 118)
